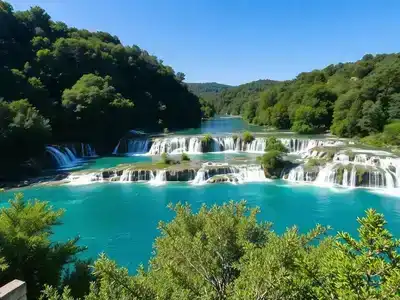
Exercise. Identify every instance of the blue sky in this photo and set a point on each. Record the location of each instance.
(236, 41)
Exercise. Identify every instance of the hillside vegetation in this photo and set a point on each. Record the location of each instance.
(349, 99)
(230, 99)
(62, 84)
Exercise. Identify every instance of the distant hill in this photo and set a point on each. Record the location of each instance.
(207, 87)
(230, 99)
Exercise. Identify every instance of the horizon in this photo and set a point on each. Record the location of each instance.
(236, 43)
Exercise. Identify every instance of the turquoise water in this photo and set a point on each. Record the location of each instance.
(121, 218)
(222, 125)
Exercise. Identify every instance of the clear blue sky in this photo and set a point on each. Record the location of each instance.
(236, 41)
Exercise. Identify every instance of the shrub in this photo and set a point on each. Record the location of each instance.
(185, 157)
(271, 159)
(247, 137)
(274, 144)
(207, 139)
(165, 159)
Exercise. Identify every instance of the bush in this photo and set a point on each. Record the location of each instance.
(28, 248)
(274, 144)
(389, 136)
(247, 137)
(271, 160)
(206, 139)
(223, 252)
(165, 159)
(185, 157)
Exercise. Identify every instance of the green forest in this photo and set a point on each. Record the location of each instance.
(230, 100)
(359, 99)
(61, 84)
(216, 253)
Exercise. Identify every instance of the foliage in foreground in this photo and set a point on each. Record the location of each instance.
(223, 252)
(25, 245)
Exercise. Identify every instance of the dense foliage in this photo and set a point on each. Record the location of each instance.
(223, 252)
(389, 136)
(85, 86)
(26, 248)
(207, 89)
(230, 99)
(350, 99)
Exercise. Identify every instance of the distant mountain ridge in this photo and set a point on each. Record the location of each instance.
(207, 87)
(230, 99)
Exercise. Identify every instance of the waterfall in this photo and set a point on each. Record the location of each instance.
(241, 173)
(228, 143)
(159, 179)
(256, 146)
(201, 177)
(345, 182)
(298, 174)
(250, 174)
(173, 146)
(216, 145)
(302, 146)
(138, 146)
(115, 152)
(90, 152)
(126, 176)
(63, 160)
(353, 178)
(195, 145)
(327, 175)
(70, 155)
(80, 179)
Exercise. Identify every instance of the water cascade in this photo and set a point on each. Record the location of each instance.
(159, 179)
(87, 150)
(193, 145)
(62, 156)
(363, 170)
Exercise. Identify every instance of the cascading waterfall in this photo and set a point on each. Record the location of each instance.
(115, 152)
(363, 170)
(88, 151)
(160, 178)
(241, 173)
(138, 146)
(345, 181)
(193, 145)
(63, 157)
(251, 173)
(174, 145)
(81, 179)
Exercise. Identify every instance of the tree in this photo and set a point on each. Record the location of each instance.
(306, 120)
(373, 117)
(247, 137)
(25, 231)
(273, 144)
(394, 106)
(223, 252)
(271, 160)
(21, 128)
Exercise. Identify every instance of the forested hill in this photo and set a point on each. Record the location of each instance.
(350, 99)
(230, 99)
(205, 88)
(61, 84)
